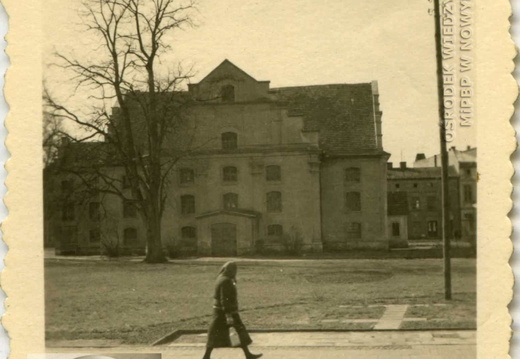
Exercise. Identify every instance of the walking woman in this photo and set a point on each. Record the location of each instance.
(225, 314)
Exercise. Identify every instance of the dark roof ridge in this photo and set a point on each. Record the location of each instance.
(322, 85)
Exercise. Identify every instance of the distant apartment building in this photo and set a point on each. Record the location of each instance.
(268, 164)
(464, 163)
(415, 202)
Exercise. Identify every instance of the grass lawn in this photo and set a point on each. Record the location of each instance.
(138, 303)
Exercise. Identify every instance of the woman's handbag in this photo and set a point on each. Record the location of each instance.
(233, 336)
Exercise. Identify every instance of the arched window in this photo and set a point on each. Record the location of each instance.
(188, 234)
(94, 211)
(354, 230)
(353, 174)
(229, 140)
(275, 230)
(186, 175)
(229, 174)
(129, 209)
(230, 200)
(130, 236)
(274, 201)
(273, 173)
(353, 201)
(227, 93)
(187, 204)
(94, 236)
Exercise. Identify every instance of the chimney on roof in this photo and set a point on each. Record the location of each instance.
(434, 160)
(389, 165)
(420, 156)
(402, 165)
(468, 148)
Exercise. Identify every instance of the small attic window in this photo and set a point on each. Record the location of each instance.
(228, 93)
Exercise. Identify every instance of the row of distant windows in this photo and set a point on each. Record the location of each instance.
(230, 174)
(230, 201)
(415, 185)
(189, 233)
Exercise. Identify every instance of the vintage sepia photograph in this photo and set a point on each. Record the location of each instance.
(289, 179)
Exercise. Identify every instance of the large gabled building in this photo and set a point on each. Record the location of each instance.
(270, 168)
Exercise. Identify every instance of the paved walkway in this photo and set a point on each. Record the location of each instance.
(311, 345)
(392, 318)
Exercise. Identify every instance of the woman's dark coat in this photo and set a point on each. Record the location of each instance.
(226, 305)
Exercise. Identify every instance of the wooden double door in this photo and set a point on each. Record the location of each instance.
(224, 240)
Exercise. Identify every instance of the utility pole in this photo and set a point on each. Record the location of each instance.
(444, 155)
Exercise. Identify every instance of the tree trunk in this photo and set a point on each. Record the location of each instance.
(155, 252)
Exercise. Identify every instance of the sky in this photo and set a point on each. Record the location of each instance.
(304, 42)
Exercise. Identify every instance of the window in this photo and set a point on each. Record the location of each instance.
(129, 209)
(397, 185)
(229, 174)
(66, 186)
(229, 140)
(94, 212)
(188, 234)
(68, 211)
(353, 201)
(352, 174)
(130, 236)
(396, 229)
(468, 193)
(354, 230)
(415, 203)
(273, 173)
(415, 185)
(187, 175)
(94, 236)
(125, 182)
(274, 201)
(432, 228)
(468, 172)
(230, 201)
(275, 230)
(431, 203)
(187, 204)
(228, 93)
(68, 235)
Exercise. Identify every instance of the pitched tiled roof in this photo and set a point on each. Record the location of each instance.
(342, 113)
(418, 173)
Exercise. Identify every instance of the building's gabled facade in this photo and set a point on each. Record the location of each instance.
(275, 168)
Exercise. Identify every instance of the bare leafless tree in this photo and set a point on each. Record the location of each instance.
(148, 133)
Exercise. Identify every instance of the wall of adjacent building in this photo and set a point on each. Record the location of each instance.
(418, 218)
(336, 218)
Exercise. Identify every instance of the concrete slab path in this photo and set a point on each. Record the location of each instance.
(392, 317)
(311, 345)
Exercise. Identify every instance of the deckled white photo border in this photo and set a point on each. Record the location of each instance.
(23, 277)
